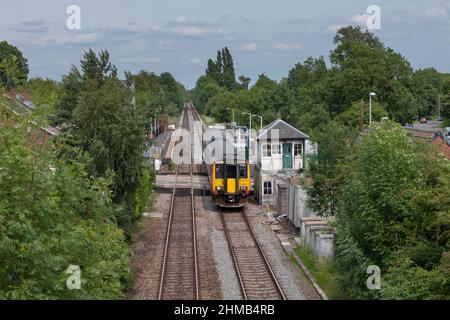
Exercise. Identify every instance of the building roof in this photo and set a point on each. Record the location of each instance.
(442, 139)
(285, 131)
(22, 106)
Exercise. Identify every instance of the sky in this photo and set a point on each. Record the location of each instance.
(179, 36)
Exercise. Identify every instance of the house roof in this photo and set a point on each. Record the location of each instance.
(442, 139)
(285, 131)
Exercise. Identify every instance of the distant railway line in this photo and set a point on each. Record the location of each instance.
(179, 272)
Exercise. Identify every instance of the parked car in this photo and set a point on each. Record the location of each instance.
(423, 120)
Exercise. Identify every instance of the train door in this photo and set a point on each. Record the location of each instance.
(231, 176)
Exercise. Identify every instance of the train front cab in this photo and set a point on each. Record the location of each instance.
(230, 184)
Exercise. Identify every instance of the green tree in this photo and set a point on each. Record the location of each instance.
(97, 67)
(362, 64)
(394, 213)
(334, 142)
(427, 88)
(111, 131)
(45, 94)
(229, 76)
(16, 72)
(9, 69)
(106, 124)
(72, 85)
(245, 81)
(53, 214)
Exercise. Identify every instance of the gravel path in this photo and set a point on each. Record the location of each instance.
(209, 284)
(148, 249)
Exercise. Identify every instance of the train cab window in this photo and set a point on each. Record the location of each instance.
(219, 171)
(268, 187)
(231, 172)
(243, 171)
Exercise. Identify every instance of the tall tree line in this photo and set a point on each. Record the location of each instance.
(390, 206)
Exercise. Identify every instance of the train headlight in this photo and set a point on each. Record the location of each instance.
(219, 189)
(243, 188)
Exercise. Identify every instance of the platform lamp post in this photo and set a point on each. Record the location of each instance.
(260, 119)
(260, 128)
(249, 133)
(232, 110)
(372, 94)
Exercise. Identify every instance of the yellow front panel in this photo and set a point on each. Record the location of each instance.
(231, 185)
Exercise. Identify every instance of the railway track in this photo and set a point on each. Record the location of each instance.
(179, 273)
(256, 278)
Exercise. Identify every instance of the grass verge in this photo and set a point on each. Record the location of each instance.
(323, 271)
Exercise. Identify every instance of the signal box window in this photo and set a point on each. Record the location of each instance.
(276, 149)
(298, 150)
(267, 187)
(267, 150)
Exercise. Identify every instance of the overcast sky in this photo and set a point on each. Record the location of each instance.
(179, 36)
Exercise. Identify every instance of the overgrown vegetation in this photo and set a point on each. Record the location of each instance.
(53, 214)
(323, 271)
(74, 200)
(394, 212)
(388, 192)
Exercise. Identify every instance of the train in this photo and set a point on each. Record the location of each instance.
(230, 180)
(230, 183)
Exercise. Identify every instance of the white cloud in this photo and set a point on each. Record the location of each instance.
(360, 19)
(249, 47)
(288, 47)
(190, 31)
(436, 13)
(432, 14)
(33, 26)
(180, 19)
(83, 38)
(140, 59)
(197, 31)
(195, 61)
(334, 28)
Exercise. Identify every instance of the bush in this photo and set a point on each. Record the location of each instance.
(52, 215)
(394, 212)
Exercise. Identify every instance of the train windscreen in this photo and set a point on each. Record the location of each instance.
(243, 171)
(219, 171)
(231, 172)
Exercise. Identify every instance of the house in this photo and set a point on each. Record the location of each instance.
(442, 139)
(280, 153)
(19, 105)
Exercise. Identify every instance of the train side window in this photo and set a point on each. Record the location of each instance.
(219, 171)
(267, 150)
(243, 171)
(268, 187)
